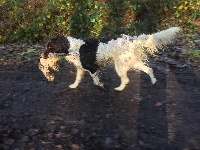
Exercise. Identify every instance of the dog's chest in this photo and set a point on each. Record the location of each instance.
(87, 54)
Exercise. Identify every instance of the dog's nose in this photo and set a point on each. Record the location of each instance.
(43, 56)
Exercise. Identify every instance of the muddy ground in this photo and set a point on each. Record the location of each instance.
(40, 115)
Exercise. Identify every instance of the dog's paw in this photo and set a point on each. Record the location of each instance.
(153, 81)
(120, 88)
(104, 87)
(73, 86)
(100, 84)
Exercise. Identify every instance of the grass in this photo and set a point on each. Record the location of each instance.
(194, 55)
(2, 57)
(29, 51)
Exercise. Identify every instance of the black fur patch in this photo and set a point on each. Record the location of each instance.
(58, 44)
(88, 53)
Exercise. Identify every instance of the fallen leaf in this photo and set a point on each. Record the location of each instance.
(158, 104)
(25, 139)
(75, 147)
(58, 146)
(186, 149)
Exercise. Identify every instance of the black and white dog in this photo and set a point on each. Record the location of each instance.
(125, 53)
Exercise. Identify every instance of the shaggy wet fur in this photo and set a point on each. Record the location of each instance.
(57, 44)
(48, 66)
(125, 53)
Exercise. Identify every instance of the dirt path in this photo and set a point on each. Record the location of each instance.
(38, 115)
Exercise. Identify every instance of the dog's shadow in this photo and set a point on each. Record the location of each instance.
(135, 118)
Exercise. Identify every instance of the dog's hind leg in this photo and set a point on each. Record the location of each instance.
(122, 73)
(79, 76)
(147, 70)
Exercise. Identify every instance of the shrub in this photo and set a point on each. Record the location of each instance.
(36, 20)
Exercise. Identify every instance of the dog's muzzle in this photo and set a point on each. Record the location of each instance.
(48, 73)
(48, 66)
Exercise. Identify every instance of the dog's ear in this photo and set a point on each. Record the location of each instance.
(57, 44)
(60, 44)
(64, 43)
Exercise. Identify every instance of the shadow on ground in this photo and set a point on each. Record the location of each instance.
(36, 114)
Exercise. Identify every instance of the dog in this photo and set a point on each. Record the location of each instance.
(49, 65)
(126, 53)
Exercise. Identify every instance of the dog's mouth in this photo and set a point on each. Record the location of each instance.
(48, 66)
(47, 71)
(43, 56)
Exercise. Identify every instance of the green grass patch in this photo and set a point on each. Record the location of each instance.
(29, 51)
(27, 55)
(194, 55)
(2, 57)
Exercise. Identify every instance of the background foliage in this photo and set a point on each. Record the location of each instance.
(36, 20)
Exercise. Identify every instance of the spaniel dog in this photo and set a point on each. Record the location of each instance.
(125, 52)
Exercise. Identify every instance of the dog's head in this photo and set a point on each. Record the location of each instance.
(57, 44)
(49, 65)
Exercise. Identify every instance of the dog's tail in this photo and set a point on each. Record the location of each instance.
(152, 42)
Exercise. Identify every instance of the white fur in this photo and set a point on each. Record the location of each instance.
(75, 44)
(79, 76)
(126, 53)
(73, 56)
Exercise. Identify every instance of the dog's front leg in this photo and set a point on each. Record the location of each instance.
(95, 77)
(79, 76)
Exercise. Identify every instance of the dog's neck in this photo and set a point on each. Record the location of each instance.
(75, 44)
